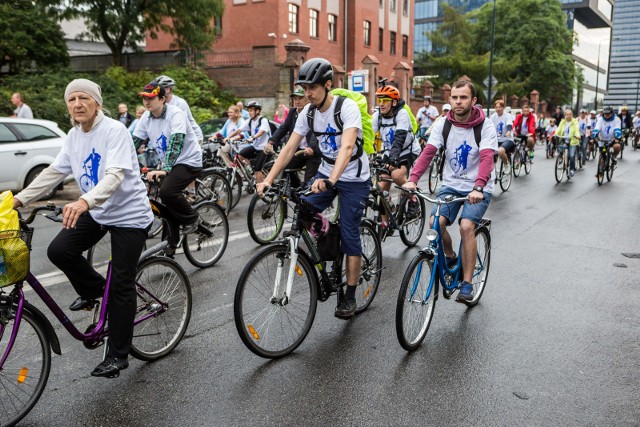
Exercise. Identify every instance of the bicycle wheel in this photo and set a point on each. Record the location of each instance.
(516, 163)
(483, 260)
(506, 176)
(25, 372)
(265, 218)
(610, 168)
(549, 150)
(214, 186)
(370, 269)
(235, 180)
(268, 325)
(205, 247)
(602, 162)
(433, 175)
(411, 229)
(560, 167)
(99, 254)
(414, 308)
(163, 308)
(156, 227)
(527, 163)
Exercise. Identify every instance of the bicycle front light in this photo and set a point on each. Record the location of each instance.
(431, 235)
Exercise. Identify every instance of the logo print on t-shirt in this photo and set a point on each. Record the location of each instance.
(459, 162)
(388, 141)
(328, 143)
(500, 128)
(161, 143)
(91, 166)
(607, 130)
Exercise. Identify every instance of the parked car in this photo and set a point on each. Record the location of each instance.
(27, 147)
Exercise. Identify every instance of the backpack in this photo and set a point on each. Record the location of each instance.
(260, 119)
(414, 123)
(477, 134)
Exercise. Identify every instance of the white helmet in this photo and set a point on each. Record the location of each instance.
(507, 109)
(165, 81)
(593, 112)
(446, 107)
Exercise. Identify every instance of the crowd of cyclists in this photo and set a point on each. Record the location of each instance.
(322, 135)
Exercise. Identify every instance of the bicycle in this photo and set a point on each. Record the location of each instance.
(504, 173)
(278, 290)
(521, 157)
(606, 162)
(411, 229)
(592, 148)
(435, 171)
(634, 138)
(429, 270)
(562, 163)
(550, 149)
(27, 338)
(624, 141)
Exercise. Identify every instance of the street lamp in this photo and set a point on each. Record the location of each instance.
(595, 102)
(493, 28)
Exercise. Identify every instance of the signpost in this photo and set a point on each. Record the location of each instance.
(359, 81)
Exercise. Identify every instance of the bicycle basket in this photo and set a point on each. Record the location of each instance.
(14, 256)
(329, 244)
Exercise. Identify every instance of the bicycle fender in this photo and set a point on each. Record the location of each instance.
(369, 221)
(48, 328)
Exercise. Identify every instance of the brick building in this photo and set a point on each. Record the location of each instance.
(262, 43)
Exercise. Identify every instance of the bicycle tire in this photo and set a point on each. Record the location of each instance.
(433, 175)
(505, 177)
(26, 370)
(414, 316)
(528, 163)
(549, 150)
(411, 230)
(602, 162)
(160, 281)
(156, 227)
(265, 218)
(201, 249)
(255, 285)
(516, 163)
(216, 188)
(370, 269)
(236, 186)
(483, 262)
(559, 168)
(610, 168)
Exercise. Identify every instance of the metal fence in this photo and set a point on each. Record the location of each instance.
(228, 57)
(131, 61)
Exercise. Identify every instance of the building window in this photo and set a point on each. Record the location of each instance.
(217, 25)
(405, 7)
(367, 33)
(333, 28)
(392, 40)
(293, 18)
(405, 46)
(380, 39)
(313, 23)
(392, 6)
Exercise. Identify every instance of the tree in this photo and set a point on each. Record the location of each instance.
(29, 37)
(123, 23)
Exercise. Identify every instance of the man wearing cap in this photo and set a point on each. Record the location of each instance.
(113, 197)
(165, 129)
(311, 158)
(172, 99)
(585, 130)
(426, 115)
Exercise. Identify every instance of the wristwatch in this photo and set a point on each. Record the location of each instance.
(478, 188)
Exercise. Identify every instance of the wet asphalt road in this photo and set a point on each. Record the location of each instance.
(554, 340)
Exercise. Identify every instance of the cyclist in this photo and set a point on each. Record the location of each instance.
(609, 131)
(344, 167)
(636, 120)
(259, 131)
(445, 110)
(625, 121)
(569, 131)
(525, 126)
(426, 115)
(541, 126)
(172, 99)
(117, 202)
(504, 125)
(558, 115)
(234, 122)
(585, 130)
(165, 129)
(311, 159)
(400, 148)
(475, 180)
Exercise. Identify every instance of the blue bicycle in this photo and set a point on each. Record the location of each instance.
(428, 270)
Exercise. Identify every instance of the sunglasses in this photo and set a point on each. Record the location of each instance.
(384, 100)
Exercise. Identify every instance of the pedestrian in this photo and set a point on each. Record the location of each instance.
(22, 111)
(124, 116)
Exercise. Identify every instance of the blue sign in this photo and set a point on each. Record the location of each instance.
(357, 83)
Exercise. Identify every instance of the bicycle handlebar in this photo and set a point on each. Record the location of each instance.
(437, 200)
(53, 216)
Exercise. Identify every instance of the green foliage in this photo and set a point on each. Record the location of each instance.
(30, 37)
(44, 92)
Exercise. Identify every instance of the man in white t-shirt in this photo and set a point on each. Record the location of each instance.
(344, 168)
(504, 125)
(172, 99)
(468, 172)
(22, 111)
(426, 115)
(166, 130)
(585, 131)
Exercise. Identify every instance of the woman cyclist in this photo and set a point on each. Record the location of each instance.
(234, 122)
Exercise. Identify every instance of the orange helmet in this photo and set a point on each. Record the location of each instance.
(388, 92)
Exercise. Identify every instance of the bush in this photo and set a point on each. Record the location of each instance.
(44, 92)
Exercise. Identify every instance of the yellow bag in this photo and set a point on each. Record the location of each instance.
(8, 215)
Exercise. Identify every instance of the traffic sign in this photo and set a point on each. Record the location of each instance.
(494, 81)
(486, 93)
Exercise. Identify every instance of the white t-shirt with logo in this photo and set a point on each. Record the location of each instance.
(606, 128)
(182, 104)
(501, 123)
(423, 114)
(584, 124)
(87, 156)
(388, 132)
(159, 130)
(253, 127)
(330, 144)
(462, 158)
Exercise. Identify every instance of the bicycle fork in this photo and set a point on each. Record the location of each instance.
(280, 295)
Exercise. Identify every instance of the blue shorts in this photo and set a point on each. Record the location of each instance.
(471, 212)
(353, 200)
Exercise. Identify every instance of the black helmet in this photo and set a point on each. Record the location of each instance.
(607, 110)
(316, 70)
(254, 104)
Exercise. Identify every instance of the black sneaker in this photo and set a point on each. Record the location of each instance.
(346, 308)
(83, 304)
(110, 367)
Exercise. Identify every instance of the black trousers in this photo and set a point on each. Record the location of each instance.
(171, 193)
(311, 165)
(66, 253)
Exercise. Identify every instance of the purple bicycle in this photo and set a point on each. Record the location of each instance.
(27, 338)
